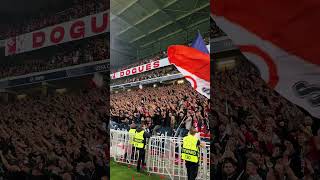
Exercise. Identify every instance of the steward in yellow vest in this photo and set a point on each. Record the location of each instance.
(190, 153)
(190, 149)
(139, 142)
(132, 132)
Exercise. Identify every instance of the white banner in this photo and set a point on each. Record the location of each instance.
(140, 69)
(69, 31)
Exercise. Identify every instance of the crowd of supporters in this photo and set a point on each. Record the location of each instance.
(143, 61)
(62, 136)
(73, 53)
(79, 8)
(169, 70)
(257, 134)
(170, 109)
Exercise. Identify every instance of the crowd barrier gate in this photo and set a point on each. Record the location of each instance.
(162, 155)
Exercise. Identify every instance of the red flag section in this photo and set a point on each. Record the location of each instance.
(194, 65)
(281, 38)
(190, 59)
(289, 24)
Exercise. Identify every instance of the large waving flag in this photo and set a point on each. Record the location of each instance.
(282, 39)
(194, 63)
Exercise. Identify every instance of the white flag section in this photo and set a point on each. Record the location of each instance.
(293, 77)
(200, 85)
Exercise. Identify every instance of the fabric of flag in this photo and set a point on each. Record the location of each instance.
(282, 39)
(193, 63)
(199, 44)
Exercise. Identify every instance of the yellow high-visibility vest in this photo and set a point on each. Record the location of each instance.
(190, 150)
(138, 140)
(132, 132)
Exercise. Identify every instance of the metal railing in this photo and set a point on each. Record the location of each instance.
(162, 155)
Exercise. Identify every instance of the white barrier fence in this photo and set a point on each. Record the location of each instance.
(162, 155)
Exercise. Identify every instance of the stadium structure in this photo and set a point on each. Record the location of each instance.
(54, 98)
(142, 79)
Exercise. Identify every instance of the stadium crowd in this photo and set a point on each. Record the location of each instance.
(257, 134)
(61, 136)
(147, 75)
(79, 8)
(141, 62)
(73, 53)
(170, 109)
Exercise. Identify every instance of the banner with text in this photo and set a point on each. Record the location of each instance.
(143, 68)
(69, 31)
(140, 69)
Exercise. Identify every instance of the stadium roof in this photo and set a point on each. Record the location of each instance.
(151, 25)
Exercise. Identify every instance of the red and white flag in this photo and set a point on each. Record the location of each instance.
(282, 39)
(194, 65)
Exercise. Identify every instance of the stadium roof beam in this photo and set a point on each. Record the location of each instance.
(124, 9)
(147, 17)
(151, 20)
(129, 27)
(181, 17)
(168, 35)
(174, 19)
(122, 52)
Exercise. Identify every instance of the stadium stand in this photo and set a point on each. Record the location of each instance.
(256, 132)
(55, 136)
(143, 61)
(179, 113)
(148, 75)
(162, 109)
(69, 54)
(77, 9)
(54, 102)
(148, 91)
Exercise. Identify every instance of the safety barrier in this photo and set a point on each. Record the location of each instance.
(162, 155)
